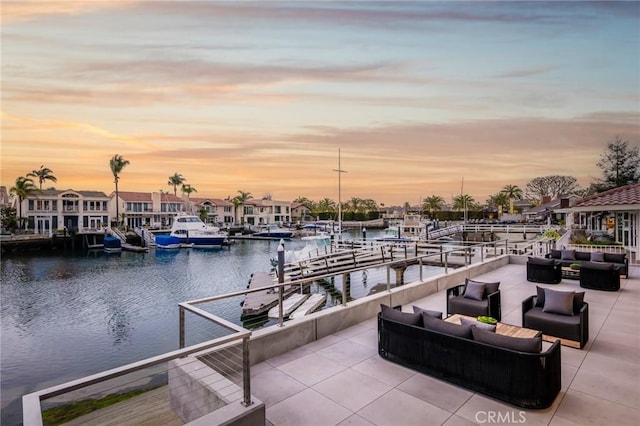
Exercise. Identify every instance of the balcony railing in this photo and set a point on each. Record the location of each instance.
(202, 376)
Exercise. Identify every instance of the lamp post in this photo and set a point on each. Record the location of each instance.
(340, 171)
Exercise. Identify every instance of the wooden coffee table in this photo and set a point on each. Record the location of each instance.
(501, 328)
(570, 273)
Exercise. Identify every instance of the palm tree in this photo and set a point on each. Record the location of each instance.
(513, 192)
(326, 205)
(499, 201)
(433, 203)
(43, 174)
(188, 189)
(463, 202)
(175, 180)
(239, 200)
(22, 189)
(117, 163)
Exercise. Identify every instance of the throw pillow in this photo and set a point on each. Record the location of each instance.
(419, 310)
(441, 326)
(474, 290)
(402, 317)
(568, 255)
(578, 300)
(558, 302)
(475, 323)
(521, 344)
(597, 257)
(540, 297)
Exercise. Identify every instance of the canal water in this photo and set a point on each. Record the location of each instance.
(65, 316)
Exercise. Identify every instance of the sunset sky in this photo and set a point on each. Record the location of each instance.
(259, 96)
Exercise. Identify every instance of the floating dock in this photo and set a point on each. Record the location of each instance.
(259, 302)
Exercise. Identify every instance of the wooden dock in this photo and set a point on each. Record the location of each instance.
(259, 302)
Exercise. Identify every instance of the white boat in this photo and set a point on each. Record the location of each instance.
(288, 305)
(273, 231)
(316, 245)
(193, 232)
(314, 302)
(327, 226)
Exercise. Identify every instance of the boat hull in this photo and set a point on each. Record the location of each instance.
(274, 235)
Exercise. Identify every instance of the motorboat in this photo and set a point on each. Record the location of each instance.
(273, 231)
(112, 244)
(167, 242)
(191, 231)
(315, 245)
(322, 226)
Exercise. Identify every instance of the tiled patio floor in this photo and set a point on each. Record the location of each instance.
(340, 380)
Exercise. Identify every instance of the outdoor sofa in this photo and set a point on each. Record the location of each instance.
(449, 352)
(562, 314)
(569, 257)
(547, 271)
(600, 276)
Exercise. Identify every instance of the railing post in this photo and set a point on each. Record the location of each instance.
(182, 337)
(420, 263)
(346, 287)
(446, 266)
(246, 373)
(388, 277)
(280, 281)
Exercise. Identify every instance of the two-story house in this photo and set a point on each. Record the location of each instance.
(76, 211)
(218, 211)
(138, 209)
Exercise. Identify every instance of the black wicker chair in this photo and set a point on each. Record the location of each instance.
(600, 276)
(547, 271)
(489, 306)
(529, 380)
(570, 327)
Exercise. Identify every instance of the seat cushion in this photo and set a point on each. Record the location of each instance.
(614, 257)
(564, 326)
(540, 261)
(466, 306)
(555, 254)
(558, 302)
(531, 344)
(419, 310)
(597, 256)
(583, 255)
(402, 317)
(435, 324)
(568, 255)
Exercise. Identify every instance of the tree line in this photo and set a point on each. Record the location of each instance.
(619, 163)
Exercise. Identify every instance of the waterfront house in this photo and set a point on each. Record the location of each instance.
(152, 209)
(263, 211)
(300, 212)
(218, 211)
(615, 212)
(77, 211)
(550, 210)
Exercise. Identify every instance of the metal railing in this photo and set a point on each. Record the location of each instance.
(187, 367)
(226, 360)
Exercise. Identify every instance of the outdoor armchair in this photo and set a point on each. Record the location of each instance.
(474, 298)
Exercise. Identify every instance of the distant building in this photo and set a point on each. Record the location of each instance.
(549, 210)
(218, 211)
(300, 212)
(616, 212)
(77, 211)
(139, 209)
(264, 211)
(4, 197)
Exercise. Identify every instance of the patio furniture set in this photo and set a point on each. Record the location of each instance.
(597, 271)
(504, 361)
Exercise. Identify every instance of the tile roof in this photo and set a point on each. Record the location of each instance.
(620, 196)
(217, 201)
(135, 196)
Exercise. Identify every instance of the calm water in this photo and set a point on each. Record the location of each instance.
(68, 316)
